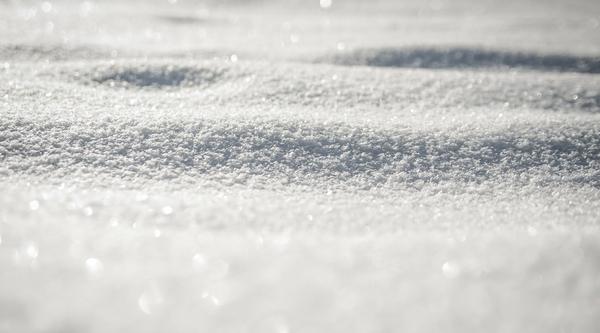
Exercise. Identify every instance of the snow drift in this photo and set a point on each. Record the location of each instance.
(288, 166)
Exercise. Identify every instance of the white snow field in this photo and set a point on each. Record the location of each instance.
(300, 166)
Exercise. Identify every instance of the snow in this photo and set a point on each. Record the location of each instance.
(286, 166)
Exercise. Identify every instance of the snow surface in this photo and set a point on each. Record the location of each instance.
(299, 166)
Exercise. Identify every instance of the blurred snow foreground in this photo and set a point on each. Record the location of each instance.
(299, 166)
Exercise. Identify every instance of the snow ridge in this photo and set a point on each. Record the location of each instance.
(299, 152)
(335, 88)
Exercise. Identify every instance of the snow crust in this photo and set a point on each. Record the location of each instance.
(285, 166)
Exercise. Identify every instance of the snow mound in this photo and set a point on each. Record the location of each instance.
(465, 58)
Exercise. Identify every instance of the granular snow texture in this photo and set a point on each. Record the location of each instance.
(299, 166)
